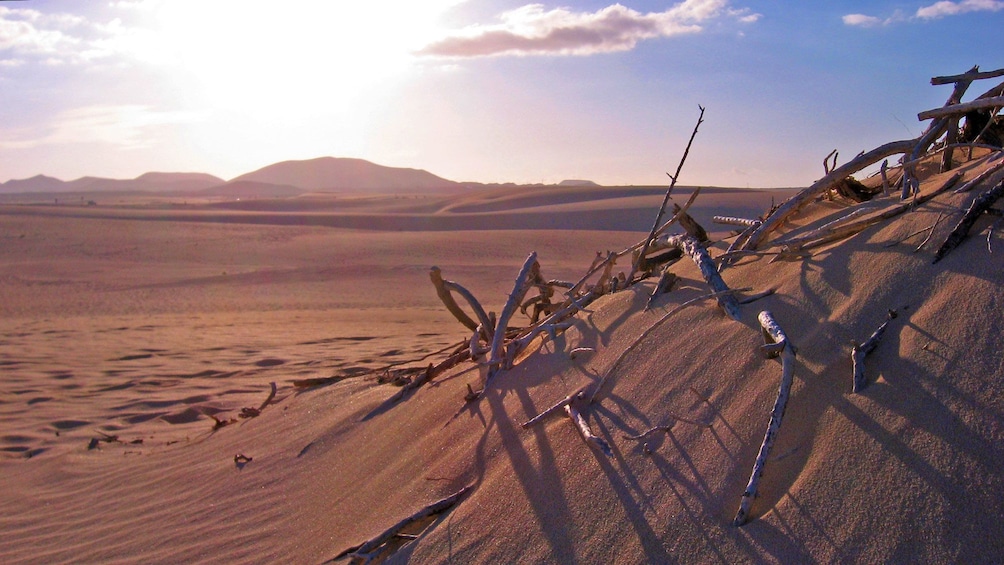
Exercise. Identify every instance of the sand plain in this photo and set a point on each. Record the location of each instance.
(145, 321)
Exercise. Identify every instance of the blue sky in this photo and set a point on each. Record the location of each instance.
(477, 90)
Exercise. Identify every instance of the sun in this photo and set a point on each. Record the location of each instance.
(297, 56)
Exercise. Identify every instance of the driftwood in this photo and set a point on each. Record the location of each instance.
(733, 221)
(776, 344)
(665, 201)
(820, 187)
(696, 251)
(962, 108)
(249, 412)
(582, 425)
(370, 549)
(839, 229)
(858, 353)
(519, 290)
(984, 175)
(973, 74)
(445, 288)
(979, 206)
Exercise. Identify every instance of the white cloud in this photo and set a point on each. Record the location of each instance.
(30, 36)
(125, 126)
(946, 8)
(534, 30)
(862, 20)
(931, 12)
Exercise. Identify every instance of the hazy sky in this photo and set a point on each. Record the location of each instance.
(477, 90)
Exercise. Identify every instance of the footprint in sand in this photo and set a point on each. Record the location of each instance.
(270, 362)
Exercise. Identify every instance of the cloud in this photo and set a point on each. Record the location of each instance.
(124, 126)
(533, 30)
(862, 20)
(28, 36)
(931, 12)
(945, 8)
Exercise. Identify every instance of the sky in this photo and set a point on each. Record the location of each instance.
(478, 90)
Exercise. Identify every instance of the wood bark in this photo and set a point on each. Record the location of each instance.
(696, 251)
(858, 353)
(774, 336)
(980, 204)
(818, 188)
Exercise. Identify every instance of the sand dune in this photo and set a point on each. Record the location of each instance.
(146, 323)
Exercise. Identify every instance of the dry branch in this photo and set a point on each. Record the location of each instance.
(696, 251)
(524, 280)
(585, 431)
(958, 109)
(776, 343)
(733, 221)
(662, 209)
(980, 205)
(365, 550)
(858, 353)
(978, 179)
(970, 75)
(445, 288)
(797, 202)
(843, 229)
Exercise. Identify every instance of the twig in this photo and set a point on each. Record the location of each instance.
(758, 296)
(776, 343)
(858, 353)
(930, 232)
(582, 425)
(978, 179)
(669, 191)
(520, 287)
(733, 221)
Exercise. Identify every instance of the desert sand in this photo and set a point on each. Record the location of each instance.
(129, 329)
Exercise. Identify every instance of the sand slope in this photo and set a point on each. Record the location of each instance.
(143, 336)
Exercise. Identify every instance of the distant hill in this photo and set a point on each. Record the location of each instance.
(332, 174)
(149, 182)
(577, 182)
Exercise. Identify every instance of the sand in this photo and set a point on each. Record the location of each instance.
(148, 321)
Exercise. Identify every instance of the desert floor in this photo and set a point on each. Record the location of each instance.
(130, 328)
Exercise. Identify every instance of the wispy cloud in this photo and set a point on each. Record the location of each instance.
(535, 30)
(942, 9)
(124, 126)
(931, 12)
(28, 35)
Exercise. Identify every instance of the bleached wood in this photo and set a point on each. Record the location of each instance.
(582, 425)
(858, 353)
(978, 179)
(969, 76)
(665, 201)
(696, 251)
(776, 335)
(962, 108)
(821, 236)
(523, 283)
(444, 290)
(797, 202)
(733, 221)
(976, 209)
